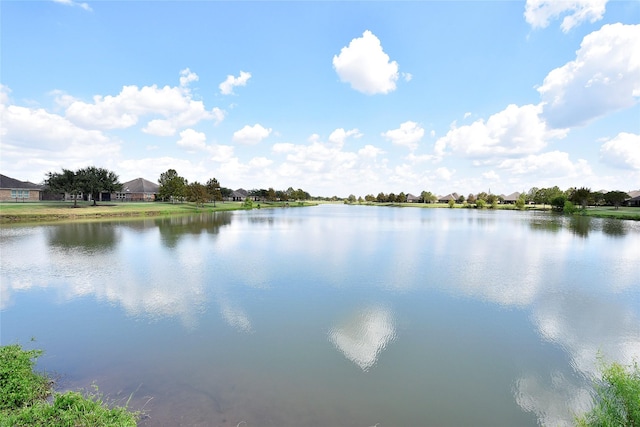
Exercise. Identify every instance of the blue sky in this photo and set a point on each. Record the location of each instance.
(336, 98)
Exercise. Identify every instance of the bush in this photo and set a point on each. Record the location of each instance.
(617, 401)
(569, 208)
(23, 398)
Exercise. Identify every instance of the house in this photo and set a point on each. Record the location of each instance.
(633, 201)
(12, 190)
(238, 195)
(138, 190)
(445, 199)
(412, 199)
(511, 199)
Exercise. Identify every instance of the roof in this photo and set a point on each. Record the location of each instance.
(140, 185)
(240, 192)
(11, 183)
(449, 197)
(634, 194)
(512, 197)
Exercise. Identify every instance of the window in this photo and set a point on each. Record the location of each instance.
(19, 194)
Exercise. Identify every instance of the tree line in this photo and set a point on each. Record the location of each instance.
(172, 187)
(552, 196)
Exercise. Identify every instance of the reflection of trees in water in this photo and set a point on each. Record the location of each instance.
(614, 227)
(92, 236)
(172, 229)
(580, 225)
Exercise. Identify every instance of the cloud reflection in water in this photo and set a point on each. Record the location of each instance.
(364, 335)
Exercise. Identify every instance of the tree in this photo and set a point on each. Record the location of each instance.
(480, 203)
(428, 197)
(492, 199)
(214, 191)
(451, 203)
(615, 198)
(351, 198)
(522, 200)
(482, 196)
(271, 194)
(401, 198)
(197, 193)
(581, 196)
(558, 202)
(93, 180)
(381, 197)
(460, 199)
(471, 198)
(64, 182)
(172, 186)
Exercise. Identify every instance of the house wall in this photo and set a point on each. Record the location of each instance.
(17, 195)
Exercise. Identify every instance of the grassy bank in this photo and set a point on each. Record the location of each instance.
(27, 398)
(57, 211)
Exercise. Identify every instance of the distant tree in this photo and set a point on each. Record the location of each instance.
(581, 196)
(197, 193)
(480, 203)
(283, 196)
(492, 199)
(615, 198)
(558, 202)
(471, 198)
(360, 200)
(428, 197)
(214, 191)
(391, 197)
(531, 195)
(270, 195)
(65, 182)
(460, 199)
(452, 203)
(381, 198)
(93, 180)
(369, 198)
(522, 200)
(482, 196)
(401, 198)
(351, 198)
(172, 186)
(226, 192)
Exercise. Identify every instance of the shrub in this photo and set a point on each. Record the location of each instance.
(617, 401)
(569, 208)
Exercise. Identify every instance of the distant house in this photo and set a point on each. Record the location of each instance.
(511, 199)
(412, 199)
(239, 195)
(138, 190)
(634, 201)
(445, 199)
(12, 190)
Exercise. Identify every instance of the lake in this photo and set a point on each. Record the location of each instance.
(332, 315)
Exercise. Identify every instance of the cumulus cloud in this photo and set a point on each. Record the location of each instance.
(550, 164)
(604, 77)
(408, 135)
(538, 13)
(35, 141)
(226, 87)
(251, 134)
(365, 66)
(512, 131)
(338, 136)
(623, 151)
(175, 105)
(192, 140)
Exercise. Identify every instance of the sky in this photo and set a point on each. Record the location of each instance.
(335, 98)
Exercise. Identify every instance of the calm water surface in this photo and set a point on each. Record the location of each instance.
(330, 315)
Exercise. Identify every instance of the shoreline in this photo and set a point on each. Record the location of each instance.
(55, 211)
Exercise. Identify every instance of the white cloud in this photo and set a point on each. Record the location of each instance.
(538, 13)
(444, 174)
(338, 136)
(408, 135)
(251, 134)
(513, 131)
(491, 175)
(604, 77)
(35, 141)
(192, 140)
(174, 104)
(370, 151)
(467, 114)
(623, 151)
(83, 5)
(550, 164)
(407, 77)
(364, 65)
(187, 76)
(226, 87)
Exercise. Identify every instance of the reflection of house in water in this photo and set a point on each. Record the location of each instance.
(362, 337)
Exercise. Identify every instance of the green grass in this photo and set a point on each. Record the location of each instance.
(11, 212)
(27, 398)
(617, 401)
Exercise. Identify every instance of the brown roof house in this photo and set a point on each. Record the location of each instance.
(12, 190)
(512, 198)
(138, 190)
